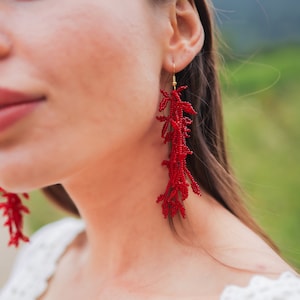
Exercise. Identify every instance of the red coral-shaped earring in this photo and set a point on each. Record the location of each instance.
(175, 130)
(13, 211)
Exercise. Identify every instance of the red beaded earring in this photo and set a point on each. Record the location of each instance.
(13, 211)
(175, 130)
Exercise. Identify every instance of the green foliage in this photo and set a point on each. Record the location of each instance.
(42, 212)
(262, 112)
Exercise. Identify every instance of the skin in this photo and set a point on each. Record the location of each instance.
(101, 65)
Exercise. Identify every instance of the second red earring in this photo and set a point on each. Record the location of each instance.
(13, 210)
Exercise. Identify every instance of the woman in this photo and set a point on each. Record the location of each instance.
(89, 73)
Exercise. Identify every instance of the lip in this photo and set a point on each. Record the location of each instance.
(15, 105)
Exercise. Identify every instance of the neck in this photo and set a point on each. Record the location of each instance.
(117, 200)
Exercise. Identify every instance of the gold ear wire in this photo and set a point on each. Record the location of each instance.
(174, 83)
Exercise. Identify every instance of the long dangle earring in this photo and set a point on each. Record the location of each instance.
(13, 210)
(175, 131)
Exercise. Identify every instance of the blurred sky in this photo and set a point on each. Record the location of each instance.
(251, 24)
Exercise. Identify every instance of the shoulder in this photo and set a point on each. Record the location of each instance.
(286, 287)
(238, 253)
(233, 244)
(37, 260)
(51, 236)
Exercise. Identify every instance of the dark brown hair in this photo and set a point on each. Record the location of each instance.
(209, 162)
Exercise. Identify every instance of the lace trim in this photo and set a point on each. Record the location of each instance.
(286, 287)
(37, 263)
(38, 260)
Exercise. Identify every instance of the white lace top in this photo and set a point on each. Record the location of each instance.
(37, 263)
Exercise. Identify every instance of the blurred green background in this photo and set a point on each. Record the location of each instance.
(262, 112)
(261, 85)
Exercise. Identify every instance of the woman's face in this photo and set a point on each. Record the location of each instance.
(98, 65)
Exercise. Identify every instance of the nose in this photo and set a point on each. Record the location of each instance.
(5, 45)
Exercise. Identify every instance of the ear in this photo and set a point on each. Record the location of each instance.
(187, 35)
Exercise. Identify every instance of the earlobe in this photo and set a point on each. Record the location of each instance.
(188, 35)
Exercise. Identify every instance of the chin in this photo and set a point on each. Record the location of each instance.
(15, 188)
(23, 176)
(17, 184)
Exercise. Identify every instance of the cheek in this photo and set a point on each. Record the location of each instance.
(96, 53)
(70, 52)
(104, 66)
(102, 76)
